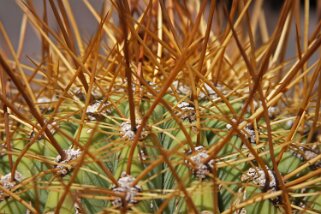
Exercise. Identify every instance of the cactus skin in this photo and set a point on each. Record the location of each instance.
(203, 64)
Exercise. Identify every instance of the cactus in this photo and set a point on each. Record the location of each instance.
(166, 109)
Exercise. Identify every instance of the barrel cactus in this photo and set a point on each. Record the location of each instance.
(170, 107)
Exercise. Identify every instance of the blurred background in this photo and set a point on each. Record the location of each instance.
(11, 18)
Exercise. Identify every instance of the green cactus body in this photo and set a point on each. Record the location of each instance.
(52, 201)
(205, 64)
